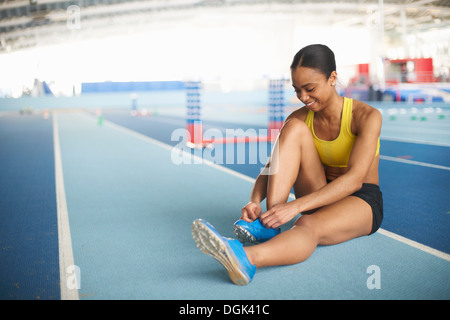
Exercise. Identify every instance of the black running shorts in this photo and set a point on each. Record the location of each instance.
(371, 194)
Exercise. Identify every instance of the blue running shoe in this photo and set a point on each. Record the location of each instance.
(229, 252)
(253, 232)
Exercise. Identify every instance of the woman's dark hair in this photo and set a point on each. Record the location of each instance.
(315, 56)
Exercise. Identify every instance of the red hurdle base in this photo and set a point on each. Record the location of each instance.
(195, 136)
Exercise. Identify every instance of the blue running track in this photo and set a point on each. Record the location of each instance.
(131, 204)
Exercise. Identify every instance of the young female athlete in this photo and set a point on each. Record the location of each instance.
(328, 151)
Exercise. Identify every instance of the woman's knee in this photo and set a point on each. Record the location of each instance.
(304, 220)
(295, 129)
(307, 221)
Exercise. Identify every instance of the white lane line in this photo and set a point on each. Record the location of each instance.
(416, 163)
(198, 160)
(416, 141)
(67, 272)
(415, 244)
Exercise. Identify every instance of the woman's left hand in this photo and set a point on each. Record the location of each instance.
(279, 214)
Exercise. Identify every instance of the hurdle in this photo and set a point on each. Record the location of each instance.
(276, 106)
(194, 122)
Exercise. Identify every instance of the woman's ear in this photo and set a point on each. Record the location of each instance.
(333, 78)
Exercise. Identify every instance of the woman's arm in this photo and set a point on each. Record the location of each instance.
(252, 209)
(259, 190)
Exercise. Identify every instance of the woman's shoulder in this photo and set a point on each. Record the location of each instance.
(364, 114)
(299, 114)
(363, 110)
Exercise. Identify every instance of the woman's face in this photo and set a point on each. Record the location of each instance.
(312, 87)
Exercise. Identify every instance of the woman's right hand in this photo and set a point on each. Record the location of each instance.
(251, 212)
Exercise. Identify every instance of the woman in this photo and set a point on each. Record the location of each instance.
(329, 152)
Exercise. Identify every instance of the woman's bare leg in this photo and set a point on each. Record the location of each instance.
(297, 164)
(346, 219)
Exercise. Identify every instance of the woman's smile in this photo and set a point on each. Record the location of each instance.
(310, 104)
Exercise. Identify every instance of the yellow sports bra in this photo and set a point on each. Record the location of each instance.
(336, 153)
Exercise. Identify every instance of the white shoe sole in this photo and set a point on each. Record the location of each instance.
(212, 244)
